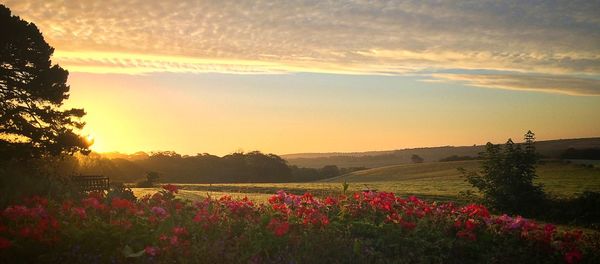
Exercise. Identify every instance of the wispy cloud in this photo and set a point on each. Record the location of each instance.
(542, 83)
(384, 37)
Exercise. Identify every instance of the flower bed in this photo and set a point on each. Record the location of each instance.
(368, 227)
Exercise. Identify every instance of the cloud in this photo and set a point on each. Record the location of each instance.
(544, 83)
(356, 37)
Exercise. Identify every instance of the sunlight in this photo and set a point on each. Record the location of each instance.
(91, 140)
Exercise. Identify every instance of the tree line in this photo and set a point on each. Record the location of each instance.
(206, 168)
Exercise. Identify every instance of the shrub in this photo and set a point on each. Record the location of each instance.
(581, 210)
(151, 179)
(118, 190)
(506, 179)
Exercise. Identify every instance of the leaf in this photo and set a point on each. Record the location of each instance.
(128, 252)
(345, 186)
(357, 247)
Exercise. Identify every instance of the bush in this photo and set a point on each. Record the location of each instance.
(42, 177)
(583, 210)
(506, 179)
(118, 190)
(151, 180)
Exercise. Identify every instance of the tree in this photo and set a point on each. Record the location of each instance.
(507, 175)
(32, 91)
(416, 158)
(330, 171)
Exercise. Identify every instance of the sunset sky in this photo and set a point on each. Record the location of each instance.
(324, 76)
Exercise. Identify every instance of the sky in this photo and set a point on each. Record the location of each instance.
(324, 76)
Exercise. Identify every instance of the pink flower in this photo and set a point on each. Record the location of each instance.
(159, 211)
(549, 228)
(151, 251)
(79, 212)
(179, 231)
(14, 212)
(174, 240)
(91, 202)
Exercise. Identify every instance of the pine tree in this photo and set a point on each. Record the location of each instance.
(32, 91)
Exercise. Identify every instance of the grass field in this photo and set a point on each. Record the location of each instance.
(437, 181)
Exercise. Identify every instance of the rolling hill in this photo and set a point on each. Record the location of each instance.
(374, 159)
(443, 178)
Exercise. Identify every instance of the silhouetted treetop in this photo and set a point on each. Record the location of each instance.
(32, 91)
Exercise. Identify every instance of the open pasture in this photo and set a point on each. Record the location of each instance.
(436, 181)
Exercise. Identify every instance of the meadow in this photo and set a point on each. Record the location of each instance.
(433, 181)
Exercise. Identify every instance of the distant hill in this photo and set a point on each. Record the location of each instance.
(374, 159)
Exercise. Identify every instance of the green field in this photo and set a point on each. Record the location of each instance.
(436, 180)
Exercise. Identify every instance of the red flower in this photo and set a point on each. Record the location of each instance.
(66, 205)
(408, 225)
(573, 256)
(119, 203)
(279, 228)
(457, 223)
(470, 224)
(171, 188)
(330, 201)
(324, 220)
(179, 231)
(4, 243)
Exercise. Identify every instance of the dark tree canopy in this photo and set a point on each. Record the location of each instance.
(32, 91)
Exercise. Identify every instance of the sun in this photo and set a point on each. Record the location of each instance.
(90, 139)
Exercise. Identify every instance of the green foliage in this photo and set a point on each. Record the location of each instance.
(32, 91)
(118, 189)
(584, 154)
(507, 177)
(345, 186)
(330, 171)
(151, 180)
(46, 176)
(583, 210)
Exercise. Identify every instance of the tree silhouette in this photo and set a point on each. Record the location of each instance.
(32, 91)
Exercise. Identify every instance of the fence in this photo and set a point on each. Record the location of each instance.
(89, 183)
